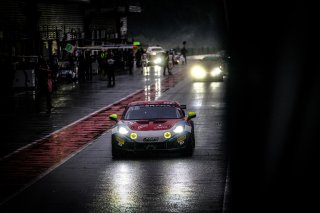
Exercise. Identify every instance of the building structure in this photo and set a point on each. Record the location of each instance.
(45, 27)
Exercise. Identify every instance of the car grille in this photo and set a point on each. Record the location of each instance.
(150, 146)
(153, 146)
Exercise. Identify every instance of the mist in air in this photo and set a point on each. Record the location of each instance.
(169, 23)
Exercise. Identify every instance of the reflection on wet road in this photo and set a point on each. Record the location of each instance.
(155, 72)
(160, 185)
(91, 181)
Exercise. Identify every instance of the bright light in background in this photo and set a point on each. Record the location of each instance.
(215, 72)
(198, 72)
(157, 60)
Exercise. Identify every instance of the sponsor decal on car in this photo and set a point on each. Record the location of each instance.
(150, 139)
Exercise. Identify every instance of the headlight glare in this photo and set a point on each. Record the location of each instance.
(198, 72)
(157, 60)
(178, 129)
(216, 71)
(122, 130)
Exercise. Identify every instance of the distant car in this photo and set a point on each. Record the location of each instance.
(155, 56)
(67, 72)
(152, 126)
(209, 68)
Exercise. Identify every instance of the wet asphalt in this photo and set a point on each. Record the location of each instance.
(89, 180)
(71, 102)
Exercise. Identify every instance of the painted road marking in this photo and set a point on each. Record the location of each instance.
(22, 168)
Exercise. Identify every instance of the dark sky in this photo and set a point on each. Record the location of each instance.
(169, 23)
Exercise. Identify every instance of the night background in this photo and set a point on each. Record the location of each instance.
(271, 94)
(169, 23)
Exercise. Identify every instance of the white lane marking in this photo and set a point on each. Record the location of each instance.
(73, 123)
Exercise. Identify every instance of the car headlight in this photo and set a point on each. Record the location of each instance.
(133, 135)
(178, 129)
(157, 60)
(122, 130)
(215, 72)
(167, 135)
(198, 72)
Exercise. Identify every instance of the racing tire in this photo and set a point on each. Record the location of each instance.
(192, 135)
(116, 153)
(188, 151)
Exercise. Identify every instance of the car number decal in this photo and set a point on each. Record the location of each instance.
(150, 139)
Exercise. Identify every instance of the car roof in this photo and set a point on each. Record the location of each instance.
(155, 48)
(211, 58)
(158, 102)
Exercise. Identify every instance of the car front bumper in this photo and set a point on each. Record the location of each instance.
(209, 78)
(173, 144)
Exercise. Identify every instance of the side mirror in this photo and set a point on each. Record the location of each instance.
(191, 115)
(113, 117)
(183, 106)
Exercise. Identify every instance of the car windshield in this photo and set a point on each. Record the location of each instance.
(147, 112)
(211, 58)
(157, 49)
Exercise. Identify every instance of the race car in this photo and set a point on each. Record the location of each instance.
(155, 56)
(209, 68)
(153, 126)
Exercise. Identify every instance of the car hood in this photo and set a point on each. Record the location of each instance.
(210, 64)
(149, 125)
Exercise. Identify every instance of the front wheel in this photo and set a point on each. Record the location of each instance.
(188, 151)
(116, 153)
(192, 134)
